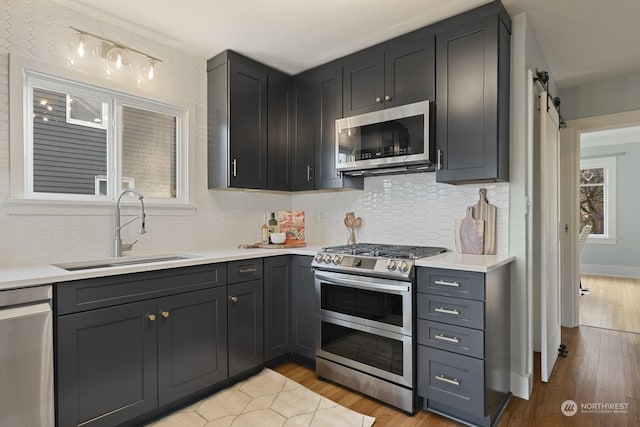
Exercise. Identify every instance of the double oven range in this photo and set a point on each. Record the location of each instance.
(365, 323)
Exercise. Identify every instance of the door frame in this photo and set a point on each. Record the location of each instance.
(574, 130)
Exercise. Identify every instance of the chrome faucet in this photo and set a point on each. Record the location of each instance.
(119, 246)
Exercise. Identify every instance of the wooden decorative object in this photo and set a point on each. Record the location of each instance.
(470, 234)
(352, 223)
(489, 214)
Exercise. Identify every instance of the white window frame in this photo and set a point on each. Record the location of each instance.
(23, 201)
(608, 163)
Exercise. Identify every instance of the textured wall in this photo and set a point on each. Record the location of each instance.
(409, 209)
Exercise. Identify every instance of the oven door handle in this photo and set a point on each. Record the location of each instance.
(342, 281)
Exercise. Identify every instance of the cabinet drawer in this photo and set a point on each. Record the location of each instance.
(453, 283)
(89, 294)
(451, 379)
(465, 341)
(244, 270)
(456, 311)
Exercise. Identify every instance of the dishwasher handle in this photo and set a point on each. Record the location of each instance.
(25, 295)
(24, 310)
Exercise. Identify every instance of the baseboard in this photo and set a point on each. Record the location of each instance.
(521, 386)
(611, 270)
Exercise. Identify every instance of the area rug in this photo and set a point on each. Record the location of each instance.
(266, 399)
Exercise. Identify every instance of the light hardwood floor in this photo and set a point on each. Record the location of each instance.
(602, 366)
(613, 303)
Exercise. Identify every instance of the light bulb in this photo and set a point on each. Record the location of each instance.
(118, 56)
(149, 69)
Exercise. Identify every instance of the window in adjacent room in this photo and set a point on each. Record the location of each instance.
(598, 196)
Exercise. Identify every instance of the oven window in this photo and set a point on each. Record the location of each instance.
(372, 305)
(371, 349)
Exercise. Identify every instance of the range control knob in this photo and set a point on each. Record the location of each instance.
(336, 259)
(404, 266)
(327, 259)
(391, 265)
(319, 257)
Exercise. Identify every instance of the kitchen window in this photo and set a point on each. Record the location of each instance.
(598, 198)
(83, 143)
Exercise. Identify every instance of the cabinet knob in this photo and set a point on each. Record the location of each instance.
(387, 98)
(233, 299)
(151, 317)
(165, 314)
(378, 99)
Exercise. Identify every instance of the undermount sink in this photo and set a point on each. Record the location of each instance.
(118, 262)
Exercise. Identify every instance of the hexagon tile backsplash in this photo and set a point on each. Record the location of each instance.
(401, 209)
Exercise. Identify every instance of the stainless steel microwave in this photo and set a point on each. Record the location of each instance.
(391, 138)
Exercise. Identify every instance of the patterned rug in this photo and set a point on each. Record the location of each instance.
(266, 399)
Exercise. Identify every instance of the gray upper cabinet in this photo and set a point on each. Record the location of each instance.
(302, 130)
(472, 133)
(383, 77)
(248, 124)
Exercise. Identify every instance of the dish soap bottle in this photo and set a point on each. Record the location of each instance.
(273, 225)
(264, 231)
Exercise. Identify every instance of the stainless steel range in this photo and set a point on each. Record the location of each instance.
(364, 337)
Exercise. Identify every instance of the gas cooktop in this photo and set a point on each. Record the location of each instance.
(386, 251)
(374, 259)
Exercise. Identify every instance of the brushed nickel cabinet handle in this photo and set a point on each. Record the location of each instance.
(247, 270)
(446, 338)
(447, 311)
(309, 169)
(445, 283)
(444, 379)
(234, 163)
(233, 299)
(151, 317)
(165, 314)
(439, 155)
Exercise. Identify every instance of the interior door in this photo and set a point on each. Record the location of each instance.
(550, 236)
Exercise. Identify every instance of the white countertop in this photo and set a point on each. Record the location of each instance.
(41, 274)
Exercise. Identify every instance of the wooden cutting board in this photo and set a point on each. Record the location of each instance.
(470, 234)
(488, 213)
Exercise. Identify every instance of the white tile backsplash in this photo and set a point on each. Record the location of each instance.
(404, 209)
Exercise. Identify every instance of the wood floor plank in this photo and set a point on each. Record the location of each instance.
(613, 303)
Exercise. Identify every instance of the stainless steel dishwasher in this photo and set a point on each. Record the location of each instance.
(26, 357)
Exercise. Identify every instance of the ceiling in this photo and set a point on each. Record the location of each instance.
(583, 40)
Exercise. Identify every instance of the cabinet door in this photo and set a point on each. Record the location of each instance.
(304, 308)
(192, 342)
(245, 326)
(302, 123)
(410, 72)
(277, 306)
(248, 125)
(329, 108)
(279, 141)
(470, 146)
(363, 78)
(106, 362)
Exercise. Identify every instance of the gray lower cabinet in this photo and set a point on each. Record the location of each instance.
(127, 344)
(304, 309)
(245, 315)
(463, 335)
(277, 306)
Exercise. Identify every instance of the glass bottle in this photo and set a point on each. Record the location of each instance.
(264, 231)
(273, 225)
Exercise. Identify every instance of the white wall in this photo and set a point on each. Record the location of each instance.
(621, 258)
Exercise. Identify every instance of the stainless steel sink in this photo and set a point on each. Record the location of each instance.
(119, 262)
